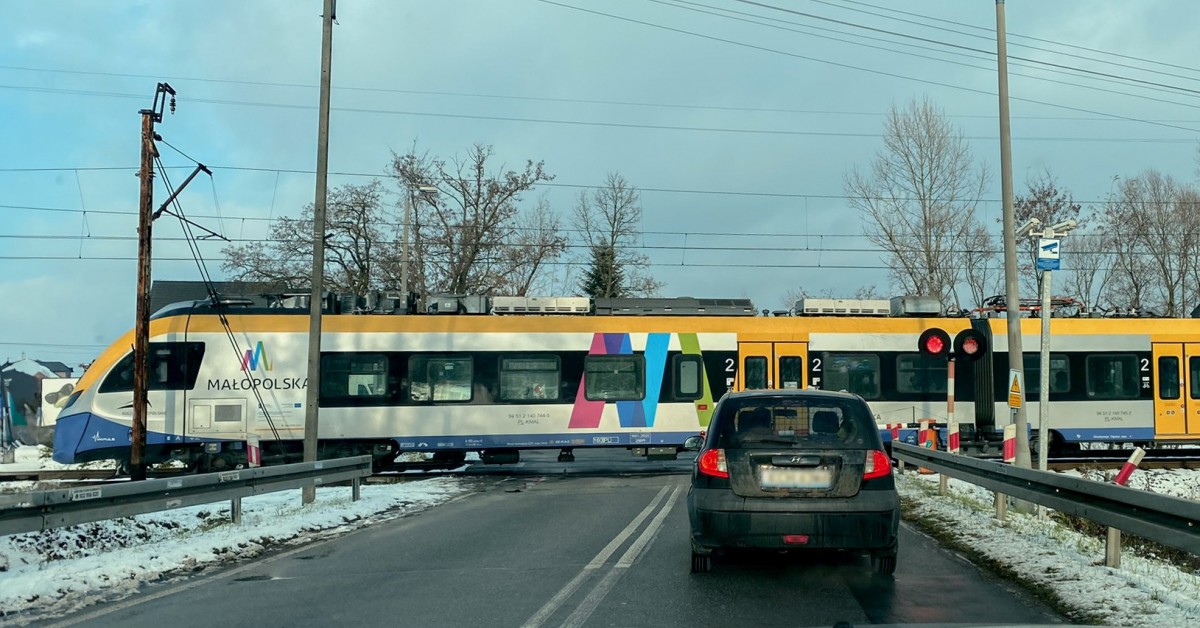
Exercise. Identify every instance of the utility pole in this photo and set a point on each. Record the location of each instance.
(141, 330)
(1012, 290)
(318, 273)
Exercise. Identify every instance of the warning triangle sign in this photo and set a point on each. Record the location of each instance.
(1015, 397)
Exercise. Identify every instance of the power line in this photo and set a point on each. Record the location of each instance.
(640, 189)
(56, 90)
(967, 48)
(681, 264)
(987, 55)
(859, 68)
(1011, 35)
(724, 130)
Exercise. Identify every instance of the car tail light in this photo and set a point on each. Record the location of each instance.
(795, 539)
(712, 462)
(878, 465)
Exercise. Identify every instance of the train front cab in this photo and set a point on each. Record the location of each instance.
(1177, 392)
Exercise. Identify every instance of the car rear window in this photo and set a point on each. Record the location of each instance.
(801, 422)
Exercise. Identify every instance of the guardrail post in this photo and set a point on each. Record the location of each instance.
(1001, 506)
(235, 510)
(355, 489)
(1112, 548)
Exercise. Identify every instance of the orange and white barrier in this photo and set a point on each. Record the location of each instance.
(952, 443)
(1130, 465)
(1010, 443)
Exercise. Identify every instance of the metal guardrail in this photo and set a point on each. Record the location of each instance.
(42, 510)
(1168, 520)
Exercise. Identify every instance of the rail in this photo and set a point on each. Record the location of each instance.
(1161, 518)
(42, 510)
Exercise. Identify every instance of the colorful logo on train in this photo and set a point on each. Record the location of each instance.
(587, 413)
(254, 358)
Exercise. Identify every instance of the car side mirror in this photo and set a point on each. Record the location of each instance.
(693, 443)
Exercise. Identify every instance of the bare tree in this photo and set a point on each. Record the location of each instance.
(609, 223)
(466, 239)
(537, 241)
(918, 201)
(359, 235)
(982, 266)
(1089, 260)
(1050, 205)
(1161, 243)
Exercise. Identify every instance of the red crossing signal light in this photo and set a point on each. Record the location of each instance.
(934, 343)
(969, 345)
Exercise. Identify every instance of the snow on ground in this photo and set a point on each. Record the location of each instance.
(1142, 592)
(66, 569)
(69, 568)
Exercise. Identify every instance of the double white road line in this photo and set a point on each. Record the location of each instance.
(596, 567)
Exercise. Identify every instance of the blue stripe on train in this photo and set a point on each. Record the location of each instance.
(85, 432)
(1091, 435)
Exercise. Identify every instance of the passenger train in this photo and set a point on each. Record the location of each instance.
(501, 375)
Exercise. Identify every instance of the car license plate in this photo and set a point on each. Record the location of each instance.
(771, 477)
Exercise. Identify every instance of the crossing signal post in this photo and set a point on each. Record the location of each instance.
(968, 344)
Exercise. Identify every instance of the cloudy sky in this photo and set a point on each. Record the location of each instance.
(737, 120)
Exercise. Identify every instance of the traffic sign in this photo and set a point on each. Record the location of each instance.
(1048, 250)
(1016, 388)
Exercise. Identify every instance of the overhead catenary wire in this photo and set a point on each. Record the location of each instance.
(210, 287)
(590, 101)
(986, 55)
(854, 67)
(967, 48)
(1011, 35)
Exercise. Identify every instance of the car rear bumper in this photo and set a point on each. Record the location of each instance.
(720, 519)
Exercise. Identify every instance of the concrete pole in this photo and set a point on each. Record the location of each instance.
(1012, 290)
(309, 493)
(1044, 375)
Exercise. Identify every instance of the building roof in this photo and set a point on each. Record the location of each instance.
(30, 367)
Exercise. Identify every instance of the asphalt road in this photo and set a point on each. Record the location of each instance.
(599, 542)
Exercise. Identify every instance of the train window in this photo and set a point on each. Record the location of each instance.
(1112, 376)
(789, 371)
(756, 372)
(173, 366)
(1194, 367)
(856, 373)
(1060, 373)
(615, 377)
(529, 378)
(353, 375)
(689, 371)
(1168, 377)
(440, 377)
(920, 374)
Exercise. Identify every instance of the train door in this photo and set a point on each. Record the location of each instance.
(1171, 390)
(1191, 388)
(770, 365)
